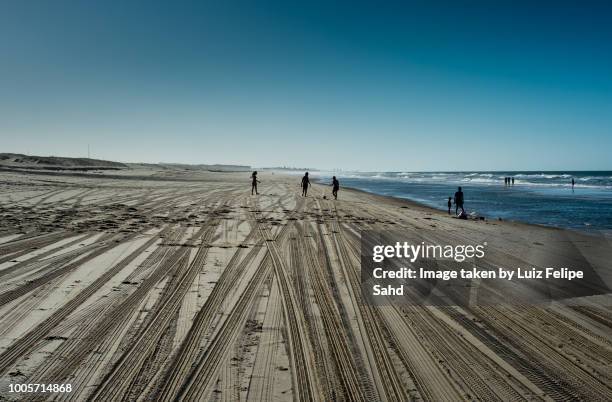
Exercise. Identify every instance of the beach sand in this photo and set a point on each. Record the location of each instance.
(167, 284)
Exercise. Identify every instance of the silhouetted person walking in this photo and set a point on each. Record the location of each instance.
(305, 184)
(450, 204)
(459, 201)
(335, 187)
(513, 181)
(254, 182)
(573, 182)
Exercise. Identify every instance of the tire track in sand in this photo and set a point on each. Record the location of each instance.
(116, 382)
(26, 342)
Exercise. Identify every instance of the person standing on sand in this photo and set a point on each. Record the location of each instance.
(335, 187)
(459, 201)
(305, 184)
(254, 182)
(450, 204)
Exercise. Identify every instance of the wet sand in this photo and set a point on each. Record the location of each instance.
(165, 285)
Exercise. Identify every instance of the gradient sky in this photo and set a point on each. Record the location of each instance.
(408, 85)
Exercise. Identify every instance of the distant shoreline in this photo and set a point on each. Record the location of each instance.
(401, 201)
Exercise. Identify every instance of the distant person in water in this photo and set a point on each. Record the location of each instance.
(450, 204)
(513, 181)
(459, 201)
(305, 184)
(254, 182)
(573, 182)
(335, 187)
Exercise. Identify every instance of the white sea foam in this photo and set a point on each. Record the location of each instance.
(526, 179)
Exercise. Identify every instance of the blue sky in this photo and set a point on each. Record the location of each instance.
(423, 85)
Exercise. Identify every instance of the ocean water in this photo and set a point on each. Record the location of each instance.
(545, 198)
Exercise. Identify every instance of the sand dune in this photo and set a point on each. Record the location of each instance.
(188, 287)
(56, 162)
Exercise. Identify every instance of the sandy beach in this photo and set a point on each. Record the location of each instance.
(170, 284)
